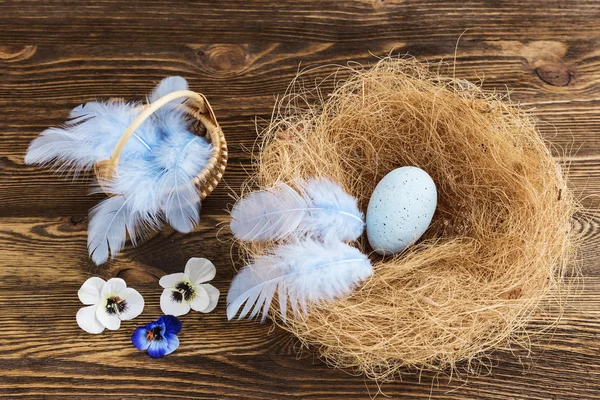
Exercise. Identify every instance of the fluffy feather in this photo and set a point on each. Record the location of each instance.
(90, 136)
(165, 115)
(154, 175)
(321, 209)
(302, 273)
(107, 230)
(333, 214)
(136, 180)
(61, 149)
(168, 85)
(269, 214)
(102, 124)
(183, 157)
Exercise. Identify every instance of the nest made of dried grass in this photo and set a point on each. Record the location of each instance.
(500, 241)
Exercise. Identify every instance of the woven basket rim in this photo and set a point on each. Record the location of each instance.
(196, 106)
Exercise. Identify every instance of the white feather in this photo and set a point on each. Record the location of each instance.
(302, 274)
(333, 214)
(269, 214)
(321, 209)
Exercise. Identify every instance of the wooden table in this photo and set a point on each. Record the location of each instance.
(55, 55)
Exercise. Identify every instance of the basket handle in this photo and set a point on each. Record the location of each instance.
(202, 103)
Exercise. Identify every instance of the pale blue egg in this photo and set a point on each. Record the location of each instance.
(400, 209)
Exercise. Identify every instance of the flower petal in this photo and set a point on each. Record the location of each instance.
(140, 338)
(89, 292)
(172, 324)
(172, 342)
(168, 305)
(213, 297)
(110, 321)
(151, 325)
(200, 270)
(113, 286)
(134, 304)
(169, 281)
(86, 319)
(201, 301)
(158, 348)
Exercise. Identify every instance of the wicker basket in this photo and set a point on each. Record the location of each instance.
(204, 124)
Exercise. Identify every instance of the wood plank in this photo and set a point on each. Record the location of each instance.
(352, 20)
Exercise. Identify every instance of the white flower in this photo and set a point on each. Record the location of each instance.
(188, 289)
(108, 304)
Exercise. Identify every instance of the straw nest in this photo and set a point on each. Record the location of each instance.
(499, 244)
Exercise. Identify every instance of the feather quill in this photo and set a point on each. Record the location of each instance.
(301, 273)
(320, 209)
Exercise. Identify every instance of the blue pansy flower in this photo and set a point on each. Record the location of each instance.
(158, 337)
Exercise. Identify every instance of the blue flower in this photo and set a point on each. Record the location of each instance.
(158, 337)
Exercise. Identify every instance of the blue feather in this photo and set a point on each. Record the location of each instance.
(154, 175)
(165, 116)
(90, 136)
(302, 273)
(107, 228)
(319, 208)
(61, 149)
(168, 85)
(180, 197)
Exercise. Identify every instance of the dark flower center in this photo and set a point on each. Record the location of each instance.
(115, 304)
(183, 290)
(154, 334)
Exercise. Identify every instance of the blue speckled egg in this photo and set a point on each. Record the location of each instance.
(400, 209)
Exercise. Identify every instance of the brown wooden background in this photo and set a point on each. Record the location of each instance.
(55, 55)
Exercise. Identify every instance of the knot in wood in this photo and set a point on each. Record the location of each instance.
(136, 275)
(225, 58)
(554, 74)
(16, 53)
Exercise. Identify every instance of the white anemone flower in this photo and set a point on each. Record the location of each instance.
(108, 303)
(189, 290)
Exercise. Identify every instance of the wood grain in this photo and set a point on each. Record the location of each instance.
(57, 54)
